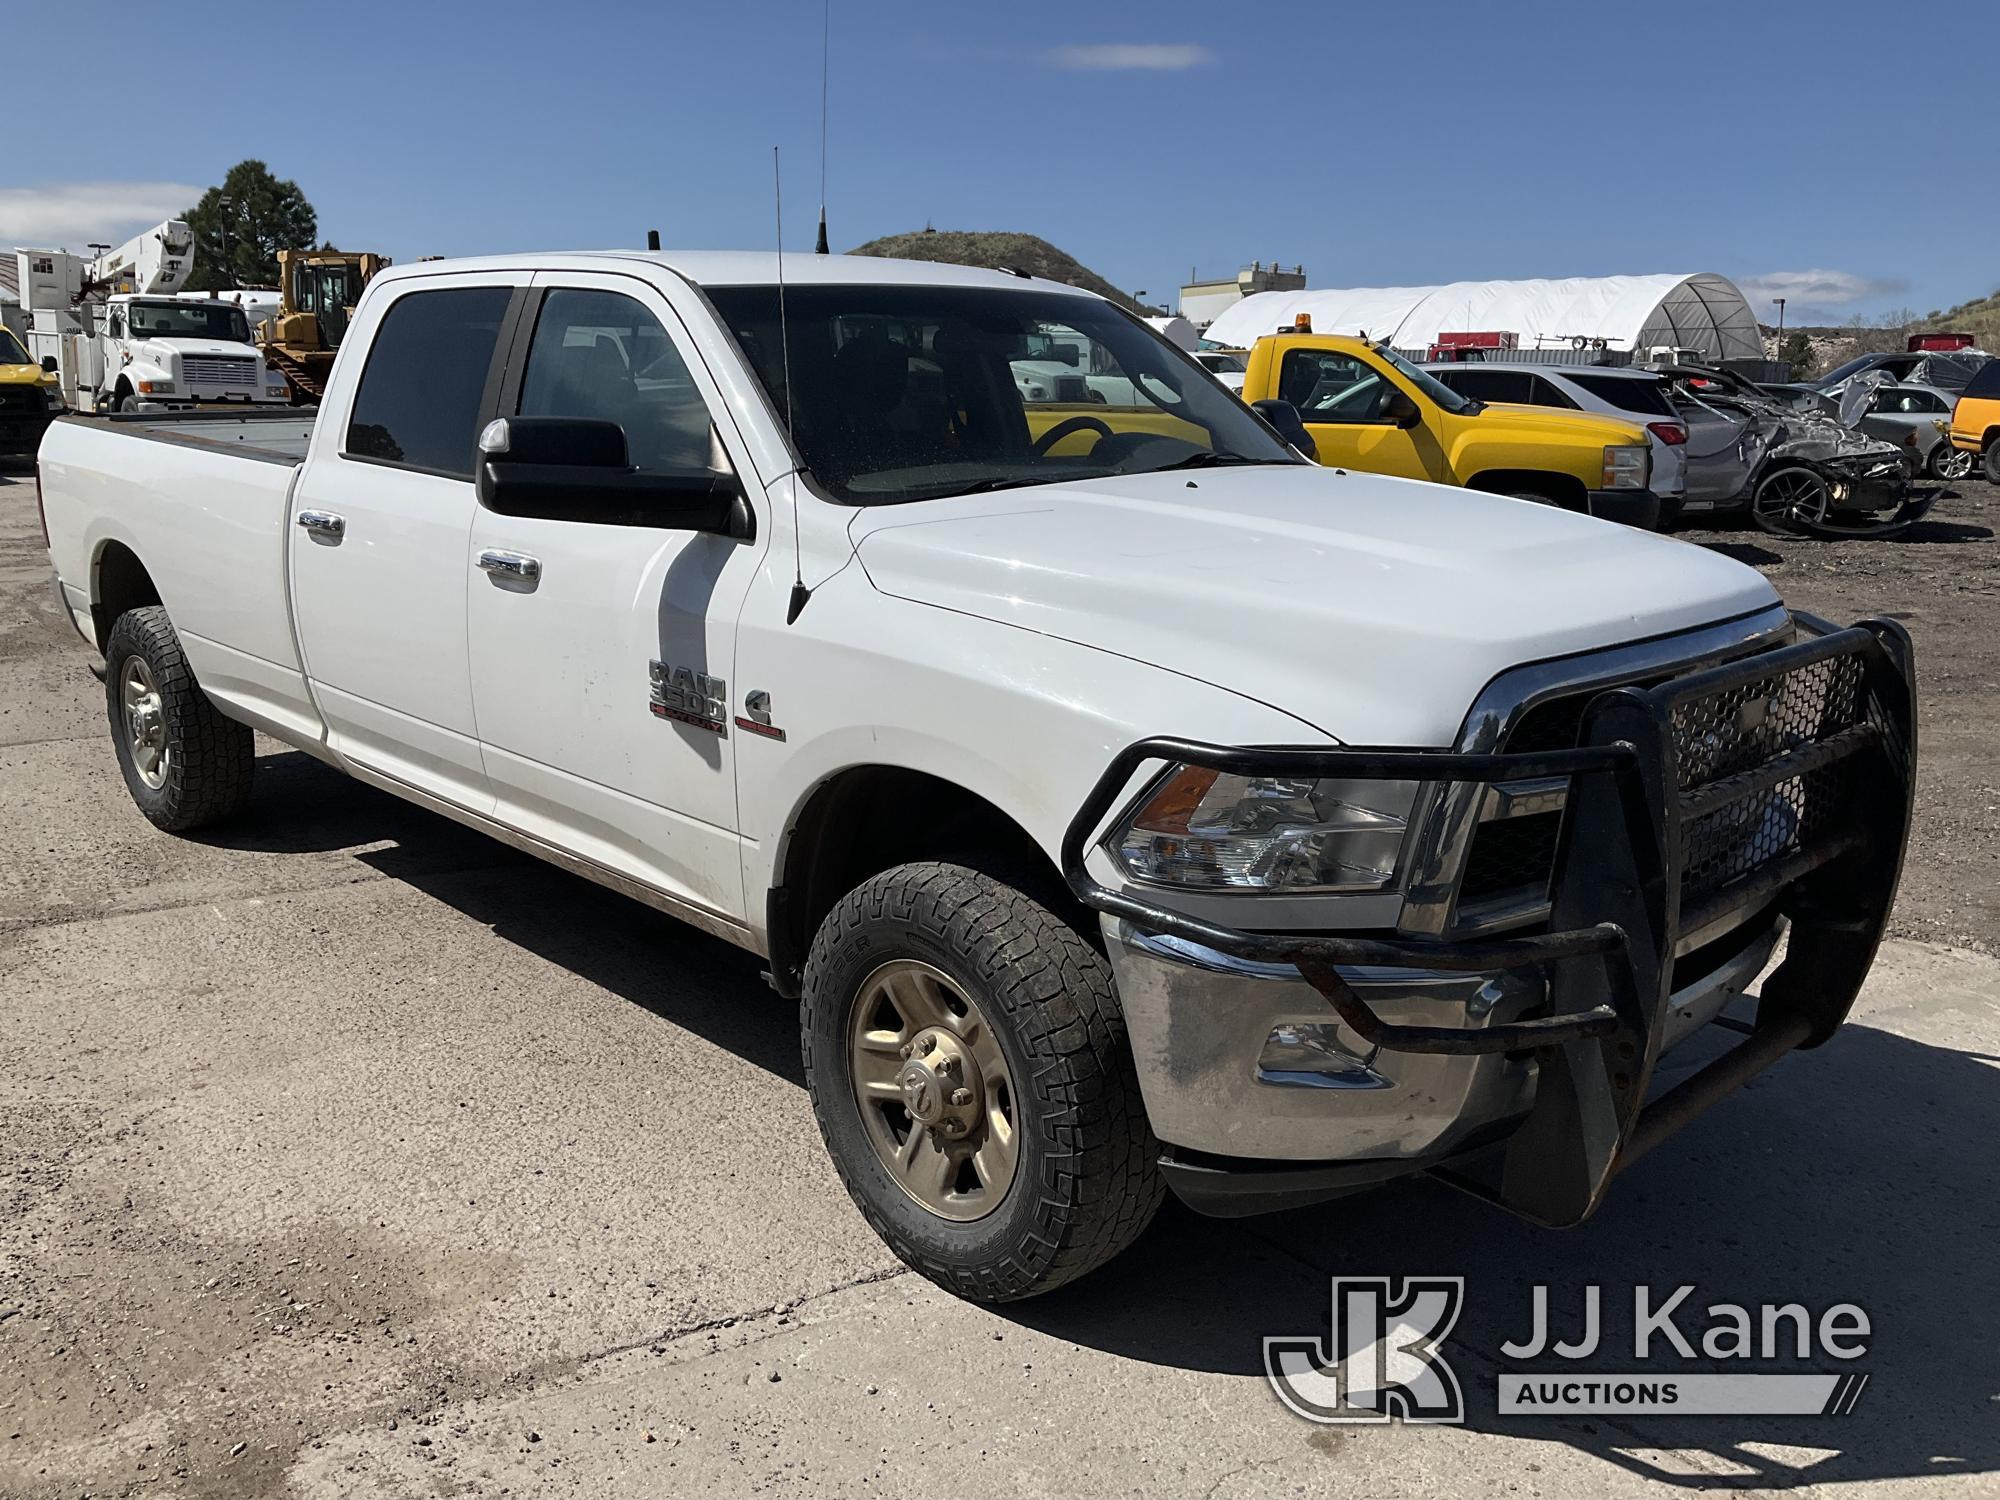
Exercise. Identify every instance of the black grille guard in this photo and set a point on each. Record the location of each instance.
(1688, 764)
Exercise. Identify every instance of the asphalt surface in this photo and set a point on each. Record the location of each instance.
(347, 1153)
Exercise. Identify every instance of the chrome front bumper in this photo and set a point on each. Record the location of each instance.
(1242, 1058)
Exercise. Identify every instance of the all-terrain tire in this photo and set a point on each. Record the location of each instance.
(1086, 1183)
(205, 773)
(1992, 463)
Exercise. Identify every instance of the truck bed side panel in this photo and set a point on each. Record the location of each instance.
(209, 528)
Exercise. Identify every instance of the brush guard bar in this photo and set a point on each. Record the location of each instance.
(1783, 781)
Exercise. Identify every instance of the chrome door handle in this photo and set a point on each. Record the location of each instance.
(515, 565)
(323, 523)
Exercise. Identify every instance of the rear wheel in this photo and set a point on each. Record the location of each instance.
(184, 763)
(970, 1074)
(1992, 464)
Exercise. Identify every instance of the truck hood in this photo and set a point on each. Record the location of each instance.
(1589, 425)
(1372, 609)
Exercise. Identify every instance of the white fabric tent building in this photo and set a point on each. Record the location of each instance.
(1631, 314)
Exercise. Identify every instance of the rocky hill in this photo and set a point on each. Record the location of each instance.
(994, 250)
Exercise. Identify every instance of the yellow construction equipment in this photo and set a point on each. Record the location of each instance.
(317, 290)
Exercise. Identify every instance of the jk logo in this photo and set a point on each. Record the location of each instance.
(1384, 1360)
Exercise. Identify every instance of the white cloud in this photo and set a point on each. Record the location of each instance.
(72, 214)
(1162, 57)
(1815, 289)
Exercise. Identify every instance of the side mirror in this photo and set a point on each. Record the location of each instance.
(574, 469)
(49, 363)
(1286, 422)
(1402, 409)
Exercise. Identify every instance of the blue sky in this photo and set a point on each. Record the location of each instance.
(1381, 145)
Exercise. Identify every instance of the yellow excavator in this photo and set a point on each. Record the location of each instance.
(317, 290)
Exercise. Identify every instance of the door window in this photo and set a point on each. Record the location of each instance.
(1328, 386)
(418, 405)
(604, 357)
(1545, 392)
(1515, 386)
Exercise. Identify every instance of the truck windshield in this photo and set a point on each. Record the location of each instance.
(11, 352)
(223, 321)
(901, 393)
(1430, 385)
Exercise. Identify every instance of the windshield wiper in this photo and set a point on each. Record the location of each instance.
(981, 487)
(1208, 460)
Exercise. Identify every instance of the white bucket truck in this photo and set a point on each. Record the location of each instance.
(122, 340)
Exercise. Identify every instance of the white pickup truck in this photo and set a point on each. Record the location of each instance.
(1129, 803)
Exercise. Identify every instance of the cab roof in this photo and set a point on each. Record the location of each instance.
(744, 268)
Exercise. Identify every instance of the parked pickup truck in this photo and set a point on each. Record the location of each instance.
(1129, 803)
(1363, 406)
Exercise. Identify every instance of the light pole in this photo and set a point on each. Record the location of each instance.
(1781, 327)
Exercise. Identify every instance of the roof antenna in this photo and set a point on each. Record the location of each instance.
(825, 38)
(652, 239)
(800, 593)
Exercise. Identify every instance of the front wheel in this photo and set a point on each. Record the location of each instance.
(184, 763)
(1791, 502)
(969, 1071)
(1948, 463)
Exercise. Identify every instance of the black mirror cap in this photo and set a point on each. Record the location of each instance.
(49, 363)
(570, 442)
(1285, 420)
(1403, 409)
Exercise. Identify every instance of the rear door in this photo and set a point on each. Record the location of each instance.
(381, 519)
(605, 682)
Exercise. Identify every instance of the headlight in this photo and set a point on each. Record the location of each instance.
(1209, 831)
(1628, 468)
(156, 387)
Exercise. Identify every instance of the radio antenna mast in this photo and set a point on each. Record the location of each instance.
(800, 593)
(825, 40)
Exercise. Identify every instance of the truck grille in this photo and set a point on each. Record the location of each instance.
(1738, 825)
(1733, 821)
(19, 400)
(220, 369)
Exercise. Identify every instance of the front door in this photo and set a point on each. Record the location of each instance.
(380, 524)
(603, 655)
(1342, 399)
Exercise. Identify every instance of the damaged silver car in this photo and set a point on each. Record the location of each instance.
(1798, 473)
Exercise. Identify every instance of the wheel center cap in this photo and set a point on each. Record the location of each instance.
(940, 1083)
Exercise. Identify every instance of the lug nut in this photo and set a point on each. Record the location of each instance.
(961, 1097)
(908, 1051)
(928, 1046)
(954, 1127)
(949, 1065)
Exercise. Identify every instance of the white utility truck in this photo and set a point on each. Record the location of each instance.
(123, 337)
(1130, 803)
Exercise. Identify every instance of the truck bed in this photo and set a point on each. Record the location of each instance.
(191, 509)
(273, 437)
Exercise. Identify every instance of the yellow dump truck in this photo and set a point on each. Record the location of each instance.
(1362, 406)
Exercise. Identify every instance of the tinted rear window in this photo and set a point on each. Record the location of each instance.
(418, 405)
(1985, 386)
(1646, 397)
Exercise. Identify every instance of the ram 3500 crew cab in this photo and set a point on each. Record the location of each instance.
(1129, 803)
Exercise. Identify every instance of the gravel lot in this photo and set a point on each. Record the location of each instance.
(1942, 580)
(346, 1153)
